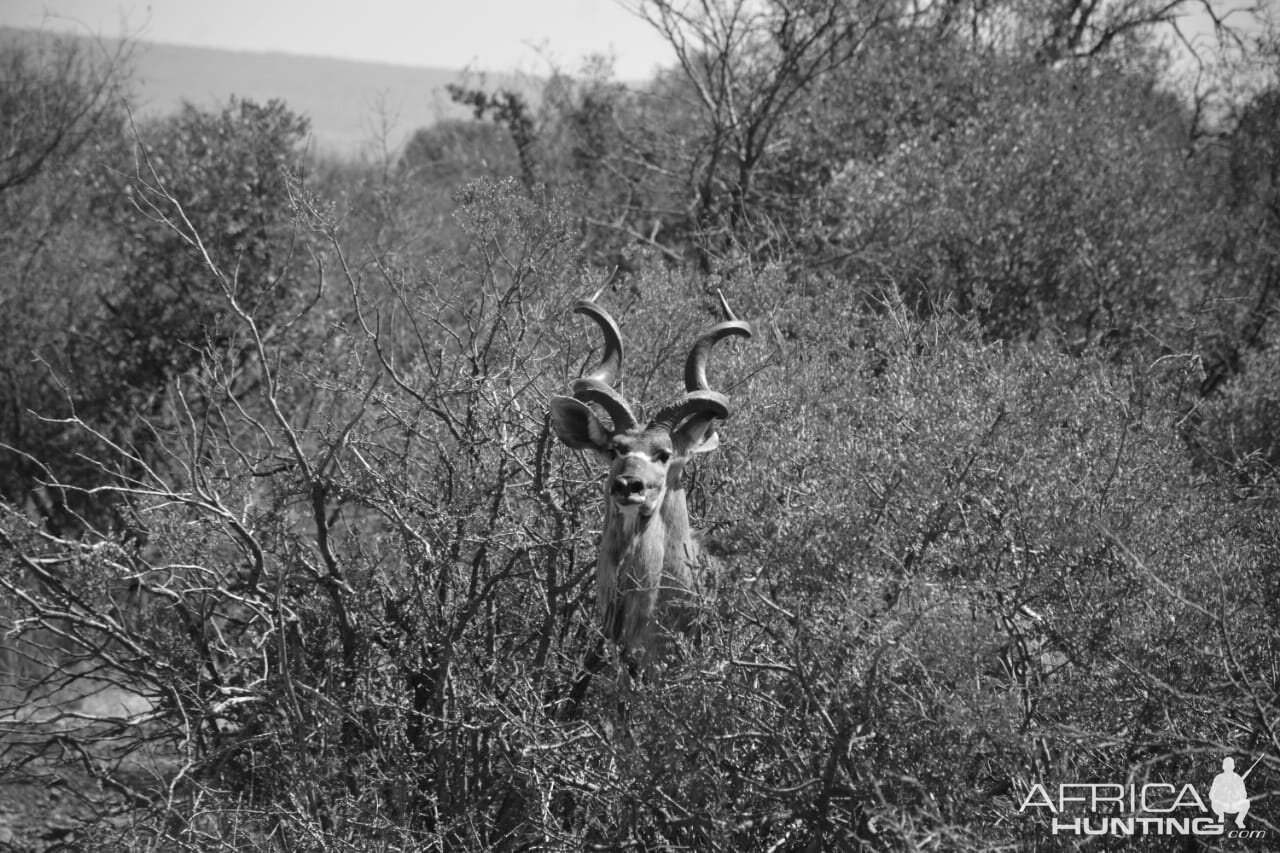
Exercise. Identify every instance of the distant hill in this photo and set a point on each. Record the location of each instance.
(345, 100)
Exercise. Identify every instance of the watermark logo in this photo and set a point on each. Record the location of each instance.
(1155, 808)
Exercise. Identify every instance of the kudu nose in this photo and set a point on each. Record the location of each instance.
(624, 486)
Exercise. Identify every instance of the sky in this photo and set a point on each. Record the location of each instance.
(493, 35)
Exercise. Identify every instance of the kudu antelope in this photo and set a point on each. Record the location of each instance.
(648, 559)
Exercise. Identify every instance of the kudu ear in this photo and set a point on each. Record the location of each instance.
(696, 435)
(577, 425)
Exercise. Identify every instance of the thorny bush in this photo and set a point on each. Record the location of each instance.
(355, 587)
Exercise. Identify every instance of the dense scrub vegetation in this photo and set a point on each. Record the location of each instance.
(292, 559)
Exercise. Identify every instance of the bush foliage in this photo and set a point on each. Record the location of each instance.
(293, 560)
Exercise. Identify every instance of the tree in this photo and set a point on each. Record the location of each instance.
(747, 65)
(58, 97)
(1056, 203)
(456, 151)
(62, 109)
(229, 173)
(125, 303)
(1235, 428)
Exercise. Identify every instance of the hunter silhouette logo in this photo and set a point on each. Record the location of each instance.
(1227, 795)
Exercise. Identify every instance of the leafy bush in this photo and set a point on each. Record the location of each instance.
(1050, 207)
(230, 172)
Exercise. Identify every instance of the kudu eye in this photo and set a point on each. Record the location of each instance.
(662, 457)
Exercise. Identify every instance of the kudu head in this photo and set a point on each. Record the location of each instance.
(648, 554)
